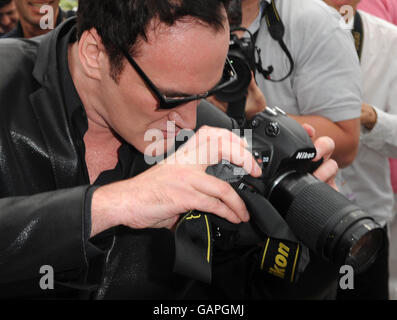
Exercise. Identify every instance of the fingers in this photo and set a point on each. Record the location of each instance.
(212, 145)
(219, 198)
(217, 207)
(233, 149)
(200, 191)
(325, 146)
(327, 172)
(242, 157)
(310, 130)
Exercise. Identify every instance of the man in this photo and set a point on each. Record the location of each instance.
(76, 193)
(386, 10)
(323, 89)
(8, 16)
(37, 18)
(368, 178)
(323, 55)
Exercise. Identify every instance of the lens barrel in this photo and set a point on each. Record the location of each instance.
(237, 90)
(326, 222)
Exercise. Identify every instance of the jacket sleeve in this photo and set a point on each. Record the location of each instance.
(42, 229)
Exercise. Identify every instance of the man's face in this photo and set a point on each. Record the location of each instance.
(29, 10)
(185, 59)
(8, 17)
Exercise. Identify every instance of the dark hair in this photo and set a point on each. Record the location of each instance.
(3, 3)
(120, 23)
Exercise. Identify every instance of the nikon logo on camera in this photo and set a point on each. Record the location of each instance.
(305, 155)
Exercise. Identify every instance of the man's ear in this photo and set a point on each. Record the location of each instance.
(91, 52)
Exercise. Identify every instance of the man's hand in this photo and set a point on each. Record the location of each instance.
(328, 170)
(325, 146)
(368, 116)
(345, 134)
(157, 197)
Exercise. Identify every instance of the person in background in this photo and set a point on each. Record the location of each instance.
(31, 14)
(367, 180)
(323, 89)
(8, 16)
(384, 9)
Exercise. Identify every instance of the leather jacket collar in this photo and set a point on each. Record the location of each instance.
(48, 103)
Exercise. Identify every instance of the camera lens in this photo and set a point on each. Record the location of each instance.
(326, 222)
(362, 239)
(237, 90)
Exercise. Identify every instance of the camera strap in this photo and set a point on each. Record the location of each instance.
(277, 30)
(193, 246)
(358, 34)
(280, 258)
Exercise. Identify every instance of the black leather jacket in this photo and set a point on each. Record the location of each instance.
(42, 194)
(41, 191)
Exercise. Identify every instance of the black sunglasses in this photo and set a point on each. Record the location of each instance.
(229, 76)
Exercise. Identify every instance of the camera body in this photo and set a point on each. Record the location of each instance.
(242, 56)
(281, 146)
(319, 216)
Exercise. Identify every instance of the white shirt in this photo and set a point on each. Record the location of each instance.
(326, 78)
(368, 178)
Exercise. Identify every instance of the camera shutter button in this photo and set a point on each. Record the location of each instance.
(272, 129)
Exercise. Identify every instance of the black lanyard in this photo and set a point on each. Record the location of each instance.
(358, 34)
(276, 29)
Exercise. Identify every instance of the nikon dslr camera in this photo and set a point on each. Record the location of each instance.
(319, 216)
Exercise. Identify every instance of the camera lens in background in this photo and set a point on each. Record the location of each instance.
(326, 222)
(237, 90)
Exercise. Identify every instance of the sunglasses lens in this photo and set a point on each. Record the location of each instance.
(171, 104)
(229, 76)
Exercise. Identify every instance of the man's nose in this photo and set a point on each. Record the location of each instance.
(185, 116)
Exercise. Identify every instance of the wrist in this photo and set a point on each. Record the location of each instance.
(372, 119)
(103, 211)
